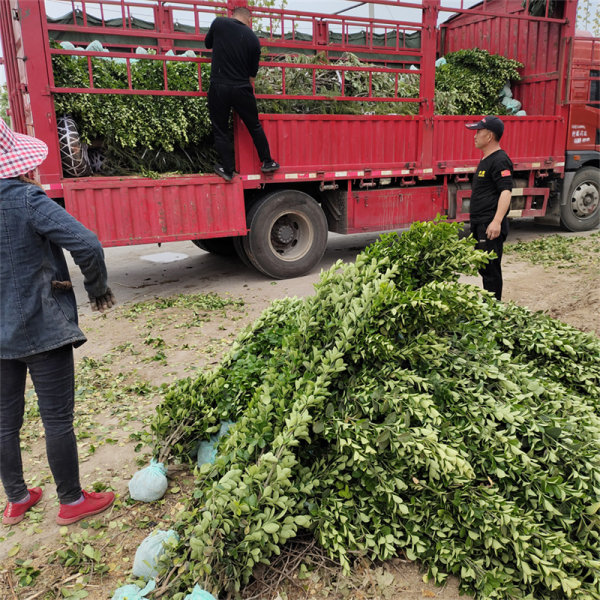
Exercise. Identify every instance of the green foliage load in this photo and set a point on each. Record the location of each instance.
(163, 133)
(328, 82)
(476, 77)
(159, 132)
(397, 411)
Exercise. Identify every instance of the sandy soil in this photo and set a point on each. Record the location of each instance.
(129, 349)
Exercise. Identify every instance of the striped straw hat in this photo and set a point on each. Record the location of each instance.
(19, 154)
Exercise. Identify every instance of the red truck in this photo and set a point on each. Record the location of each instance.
(340, 173)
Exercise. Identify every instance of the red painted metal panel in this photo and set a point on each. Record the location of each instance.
(27, 20)
(526, 140)
(584, 125)
(536, 43)
(333, 142)
(123, 211)
(10, 51)
(533, 203)
(392, 208)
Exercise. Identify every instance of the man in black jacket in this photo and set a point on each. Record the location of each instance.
(234, 64)
(490, 198)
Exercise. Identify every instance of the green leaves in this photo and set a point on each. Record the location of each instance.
(397, 411)
(78, 553)
(560, 251)
(25, 572)
(468, 84)
(130, 126)
(160, 133)
(476, 77)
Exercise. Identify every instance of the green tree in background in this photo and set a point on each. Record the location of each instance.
(588, 16)
(4, 103)
(268, 3)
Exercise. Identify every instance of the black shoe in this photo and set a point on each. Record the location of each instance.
(269, 166)
(219, 170)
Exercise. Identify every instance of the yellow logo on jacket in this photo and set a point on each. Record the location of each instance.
(481, 174)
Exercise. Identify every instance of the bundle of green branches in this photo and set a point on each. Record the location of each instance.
(172, 133)
(475, 78)
(394, 412)
(328, 82)
(138, 133)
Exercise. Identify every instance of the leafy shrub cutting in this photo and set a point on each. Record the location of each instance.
(171, 133)
(137, 132)
(476, 78)
(397, 411)
(328, 82)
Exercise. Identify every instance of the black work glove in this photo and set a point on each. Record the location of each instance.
(104, 302)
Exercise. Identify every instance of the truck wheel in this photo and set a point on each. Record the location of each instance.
(220, 246)
(238, 245)
(288, 234)
(582, 210)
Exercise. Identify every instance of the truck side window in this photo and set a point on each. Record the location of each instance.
(595, 87)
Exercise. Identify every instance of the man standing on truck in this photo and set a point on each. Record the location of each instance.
(490, 199)
(234, 65)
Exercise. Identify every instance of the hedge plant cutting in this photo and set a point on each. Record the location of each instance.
(396, 412)
(170, 133)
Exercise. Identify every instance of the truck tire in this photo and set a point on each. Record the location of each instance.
(287, 234)
(238, 245)
(220, 246)
(582, 209)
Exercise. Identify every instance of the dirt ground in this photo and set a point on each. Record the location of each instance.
(135, 348)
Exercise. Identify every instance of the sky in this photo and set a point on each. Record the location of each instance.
(56, 8)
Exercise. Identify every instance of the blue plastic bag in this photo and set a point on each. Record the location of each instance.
(199, 594)
(512, 106)
(506, 91)
(149, 551)
(150, 483)
(133, 592)
(207, 451)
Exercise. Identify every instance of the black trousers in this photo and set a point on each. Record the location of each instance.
(492, 272)
(221, 99)
(53, 377)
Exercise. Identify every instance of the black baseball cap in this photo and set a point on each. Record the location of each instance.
(493, 124)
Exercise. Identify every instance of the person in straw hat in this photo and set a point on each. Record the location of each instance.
(38, 327)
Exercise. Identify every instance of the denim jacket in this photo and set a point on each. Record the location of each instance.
(36, 316)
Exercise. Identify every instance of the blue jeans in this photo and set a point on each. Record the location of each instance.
(53, 376)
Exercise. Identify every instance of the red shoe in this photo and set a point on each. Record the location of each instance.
(93, 503)
(15, 511)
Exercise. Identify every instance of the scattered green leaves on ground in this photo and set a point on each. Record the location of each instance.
(25, 573)
(561, 251)
(80, 554)
(196, 303)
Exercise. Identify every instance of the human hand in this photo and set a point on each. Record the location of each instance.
(104, 302)
(493, 230)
